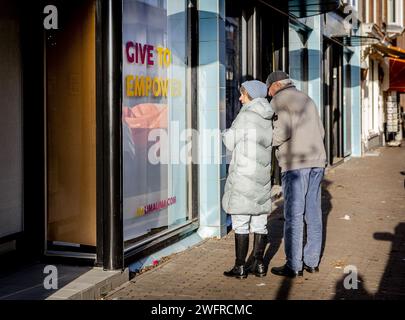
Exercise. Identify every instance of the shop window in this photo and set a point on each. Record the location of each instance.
(155, 118)
(298, 59)
(234, 77)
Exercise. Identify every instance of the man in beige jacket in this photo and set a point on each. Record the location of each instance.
(298, 136)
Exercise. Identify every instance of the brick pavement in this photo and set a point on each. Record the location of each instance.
(369, 190)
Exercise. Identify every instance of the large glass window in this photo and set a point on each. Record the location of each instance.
(298, 59)
(154, 121)
(11, 220)
(233, 29)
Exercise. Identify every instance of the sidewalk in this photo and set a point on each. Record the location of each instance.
(74, 282)
(364, 216)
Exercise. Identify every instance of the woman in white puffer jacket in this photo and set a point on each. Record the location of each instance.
(247, 195)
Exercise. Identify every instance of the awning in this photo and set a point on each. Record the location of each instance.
(303, 8)
(391, 51)
(397, 74)
(357, 41)
(307, 8)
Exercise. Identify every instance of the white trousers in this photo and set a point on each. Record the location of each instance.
(245, 223)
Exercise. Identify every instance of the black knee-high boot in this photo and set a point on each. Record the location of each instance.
(241, 249)
(257, 267)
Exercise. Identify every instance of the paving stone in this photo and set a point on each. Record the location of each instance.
(373, 240)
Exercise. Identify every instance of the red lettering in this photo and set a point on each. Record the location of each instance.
(162, 204)
(150, 55)
(138, 53)
(143, 52)
(149, 208)
(130, 56)
(137, 45)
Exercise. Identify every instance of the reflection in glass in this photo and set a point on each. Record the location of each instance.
(154, 117)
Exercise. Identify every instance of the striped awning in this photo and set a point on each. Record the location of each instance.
(397, 74)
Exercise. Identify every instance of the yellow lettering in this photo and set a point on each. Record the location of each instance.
(139, 87)
(156, 87)
(140, 212)
(160, 55)
(164, 84)
(148, 85)
(130, 86)
(167, 58)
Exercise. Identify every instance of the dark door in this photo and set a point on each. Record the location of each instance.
(333, 101)
(256, 44)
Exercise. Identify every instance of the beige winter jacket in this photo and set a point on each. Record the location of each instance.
(298, 131)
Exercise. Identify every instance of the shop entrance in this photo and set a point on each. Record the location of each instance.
(333, 101)
(256, 44)
(70, 130)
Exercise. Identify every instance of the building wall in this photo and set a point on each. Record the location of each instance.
(356, 103)
(296, 48)
(211, 105)
(212, 108)
(401, 41)
(315, 46)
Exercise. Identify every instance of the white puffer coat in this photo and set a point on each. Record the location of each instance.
(248, 186)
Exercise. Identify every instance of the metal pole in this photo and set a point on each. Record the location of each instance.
(111, 28)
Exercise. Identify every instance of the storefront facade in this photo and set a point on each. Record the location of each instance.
(111, 94)
(123, 110)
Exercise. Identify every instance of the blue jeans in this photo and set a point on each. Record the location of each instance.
(302, 200)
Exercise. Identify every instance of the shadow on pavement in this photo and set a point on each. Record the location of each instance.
(392, 283)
